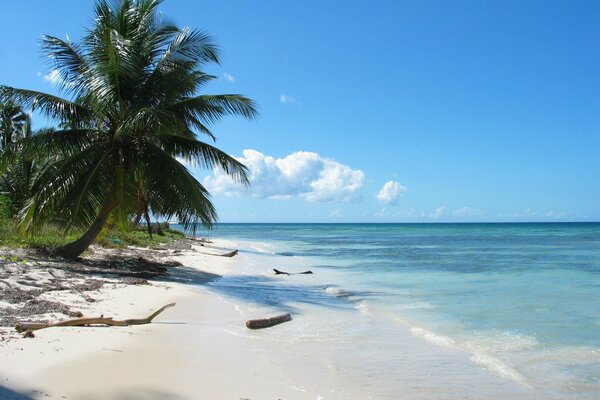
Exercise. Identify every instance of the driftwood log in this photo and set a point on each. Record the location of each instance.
(267, 322)
(27, 328)
(231, 254)
(278, 272)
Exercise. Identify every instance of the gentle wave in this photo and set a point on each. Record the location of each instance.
(337, 292)
(285, 254)
(478, 356)
(424, 305)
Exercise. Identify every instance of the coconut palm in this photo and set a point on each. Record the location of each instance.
(15, 124)
(134, 112)
(15, 127)
(21, 169)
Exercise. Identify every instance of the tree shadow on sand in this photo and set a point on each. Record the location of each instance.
(9, 394)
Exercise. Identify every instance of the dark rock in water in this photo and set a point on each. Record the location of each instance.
(285, 254)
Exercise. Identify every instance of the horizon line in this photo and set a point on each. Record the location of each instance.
(406, 223)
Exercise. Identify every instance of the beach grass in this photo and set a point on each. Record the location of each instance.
(119, 239)
(51, 235)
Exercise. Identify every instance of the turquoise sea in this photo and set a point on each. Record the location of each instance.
(523, 300)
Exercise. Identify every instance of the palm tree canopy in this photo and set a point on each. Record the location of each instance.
(131, 111)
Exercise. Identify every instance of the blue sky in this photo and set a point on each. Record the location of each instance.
(385, 111)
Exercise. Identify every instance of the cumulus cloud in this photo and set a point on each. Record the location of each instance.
(53, 77)
(301, 174)
(287, 99)
(390, 193)
(229, 77)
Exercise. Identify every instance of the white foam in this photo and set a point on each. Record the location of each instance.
(434, 338)
(503, 342)
(259, 247)
(333, 290)
(501, 368)
(478, 356)
(363, 307)
(337, 292)
(239, 310)
(419, 305)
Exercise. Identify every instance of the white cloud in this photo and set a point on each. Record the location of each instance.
(532, 215)
(53, 77)
(467, 212)
(301, 174)
(229, 77)
(390, 193)
(287, 99)
(439, 212)
(556, 214)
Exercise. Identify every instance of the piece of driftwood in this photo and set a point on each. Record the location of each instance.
(267, 322)
(278, 272)
(230, 254)
(27, 328)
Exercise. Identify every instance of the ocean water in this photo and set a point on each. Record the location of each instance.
(520, 301)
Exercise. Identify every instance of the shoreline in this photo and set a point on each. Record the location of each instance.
(202, 345)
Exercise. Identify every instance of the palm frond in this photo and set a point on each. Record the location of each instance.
(49, 105)
(67, 191)
(66, 58)
(212, 108)
(205, 155)
(184, 198)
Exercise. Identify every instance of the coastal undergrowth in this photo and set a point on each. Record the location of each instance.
(50, 236)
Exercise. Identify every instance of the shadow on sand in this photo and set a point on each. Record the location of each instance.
(137, 394)
(6, 394)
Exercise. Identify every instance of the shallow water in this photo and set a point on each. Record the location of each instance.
(521, 300)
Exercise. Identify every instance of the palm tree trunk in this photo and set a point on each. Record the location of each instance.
(74, 249)
(148, 222)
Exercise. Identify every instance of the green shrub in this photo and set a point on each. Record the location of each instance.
(6, 209)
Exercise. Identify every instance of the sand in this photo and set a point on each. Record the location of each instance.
(184, 353)
(201, 349)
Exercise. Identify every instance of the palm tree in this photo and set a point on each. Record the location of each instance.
(21, 170)
(15, 127)
(134, 113)
(15, 124)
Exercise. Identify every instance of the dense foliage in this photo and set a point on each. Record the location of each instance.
(132, 113)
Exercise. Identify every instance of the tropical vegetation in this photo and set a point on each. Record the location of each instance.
(130, 120)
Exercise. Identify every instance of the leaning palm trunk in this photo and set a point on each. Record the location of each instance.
(74, 249)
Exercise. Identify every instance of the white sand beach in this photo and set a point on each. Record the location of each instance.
(201, 349)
